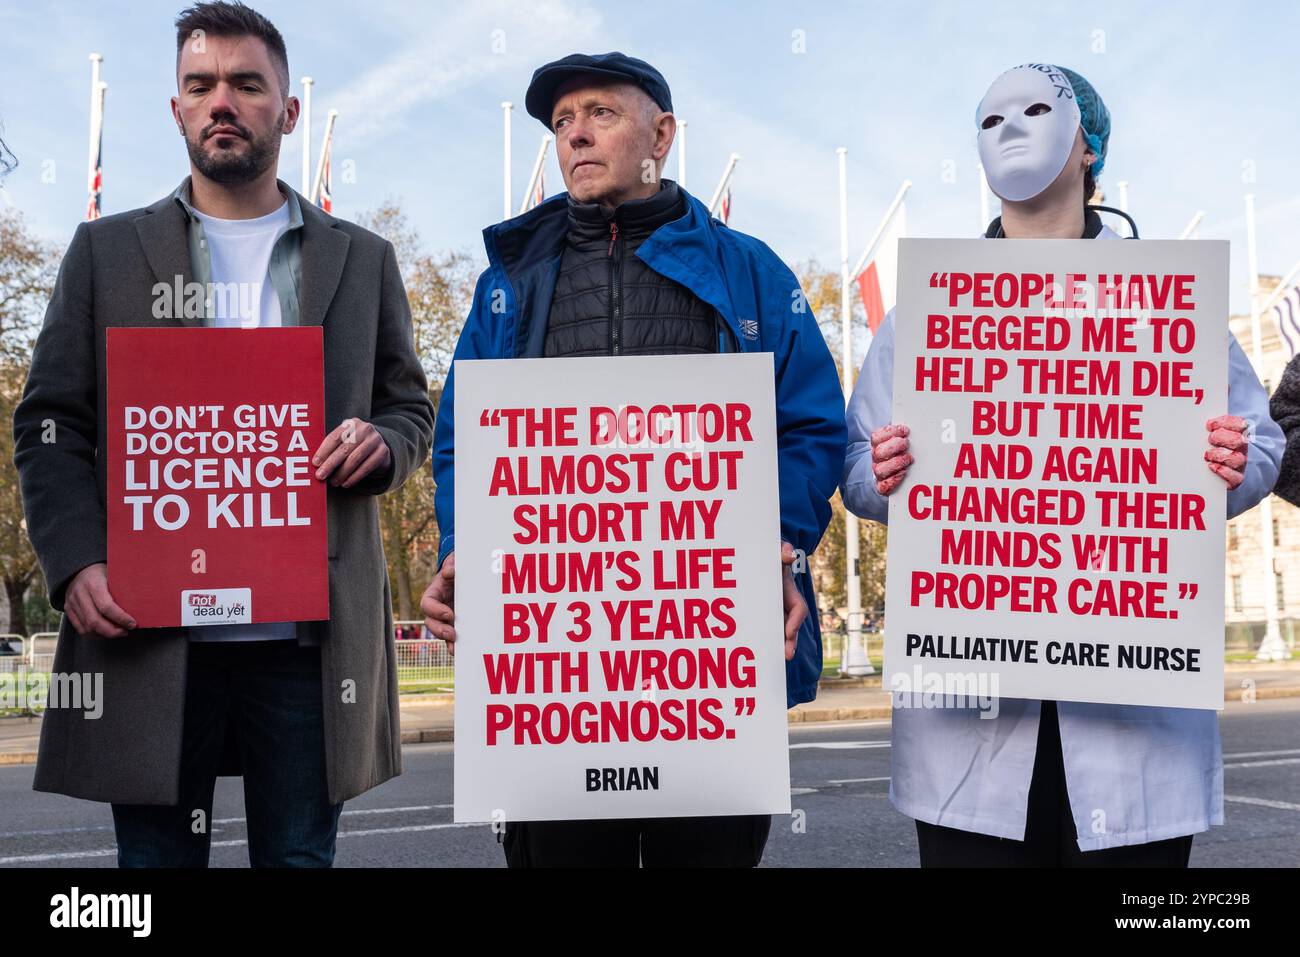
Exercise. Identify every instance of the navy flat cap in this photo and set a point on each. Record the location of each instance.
(540, 97)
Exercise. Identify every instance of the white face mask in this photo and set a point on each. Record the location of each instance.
(1027, 120)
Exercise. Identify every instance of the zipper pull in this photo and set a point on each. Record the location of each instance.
(613, 235)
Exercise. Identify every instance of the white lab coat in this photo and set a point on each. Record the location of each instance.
(1134, 774)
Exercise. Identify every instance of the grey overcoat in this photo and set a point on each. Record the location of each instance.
(350, 286)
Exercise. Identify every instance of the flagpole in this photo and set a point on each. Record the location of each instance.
(330, 117)
(506, 107)
(681, 154)
(722, 183)
(853, 660)
(306, 134)
(1272, 648)
(95, 61)
(880, 230)
(1190, 228)
(537, 172)
(1123, 205)
(984, 201)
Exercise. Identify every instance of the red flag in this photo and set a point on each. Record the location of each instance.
(872, 301)
(878, 282)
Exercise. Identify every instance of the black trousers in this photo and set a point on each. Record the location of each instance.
(1050, 834)
(631, 842)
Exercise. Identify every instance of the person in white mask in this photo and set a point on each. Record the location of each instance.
(1043, 783)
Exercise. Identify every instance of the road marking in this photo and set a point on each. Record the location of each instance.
(1263, 764)
(839, 745)
(111, 852)
(857, 780)
(49, 832)
(364, 810)
(1262, 802)
(825, 726)
(411, 828)
(1260, 754)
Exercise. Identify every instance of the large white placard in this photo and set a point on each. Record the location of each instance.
(1059, 535)
(618, 595)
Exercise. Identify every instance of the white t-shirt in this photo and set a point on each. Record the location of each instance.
(243, 296)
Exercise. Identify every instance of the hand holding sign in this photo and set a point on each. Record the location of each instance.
(350, 452)
(890, 457)
(1226, 455)
(439, 602)
(796, 609)
(91, 608)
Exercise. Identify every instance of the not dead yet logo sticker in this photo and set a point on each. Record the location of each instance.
(219, 606)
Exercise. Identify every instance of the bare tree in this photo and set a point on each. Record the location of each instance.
(822, 290)
(440, 289)
(27, 270)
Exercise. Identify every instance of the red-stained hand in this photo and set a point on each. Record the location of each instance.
(1226, 455)
(890, 457)
(796, 609)
(351, 452)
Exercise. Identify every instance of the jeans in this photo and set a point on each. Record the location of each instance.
(268, 695)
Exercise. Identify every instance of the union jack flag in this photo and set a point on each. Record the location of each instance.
(1287, 316)
(325, 198)
(724, 211)
(93, 203)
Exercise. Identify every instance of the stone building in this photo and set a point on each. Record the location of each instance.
(1246, 588)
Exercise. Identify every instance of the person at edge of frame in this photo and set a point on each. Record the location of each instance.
(1026, 787)
(307, 712)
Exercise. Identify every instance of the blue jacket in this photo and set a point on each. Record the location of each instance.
(762, 310)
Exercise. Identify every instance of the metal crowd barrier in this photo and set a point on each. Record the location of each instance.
(423, 663)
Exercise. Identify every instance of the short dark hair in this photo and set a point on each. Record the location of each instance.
(218, 18)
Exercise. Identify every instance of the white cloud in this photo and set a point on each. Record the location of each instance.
(457, 49)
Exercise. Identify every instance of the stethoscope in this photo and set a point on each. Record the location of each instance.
(1119, 212)
(1100, 209)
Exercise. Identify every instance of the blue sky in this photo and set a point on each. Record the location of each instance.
(1202, 96)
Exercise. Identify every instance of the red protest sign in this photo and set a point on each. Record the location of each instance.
(214, 512)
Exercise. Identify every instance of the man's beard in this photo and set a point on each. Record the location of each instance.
(236, 168)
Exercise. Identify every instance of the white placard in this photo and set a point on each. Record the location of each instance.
(618, 594)
(1059, 535)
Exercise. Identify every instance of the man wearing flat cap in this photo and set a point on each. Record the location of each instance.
(628, 263)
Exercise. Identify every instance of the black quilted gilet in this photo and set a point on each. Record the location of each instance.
(608, 302)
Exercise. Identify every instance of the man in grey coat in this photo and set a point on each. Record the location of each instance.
(308, 710)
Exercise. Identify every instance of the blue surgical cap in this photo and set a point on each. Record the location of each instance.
(1094, 117)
